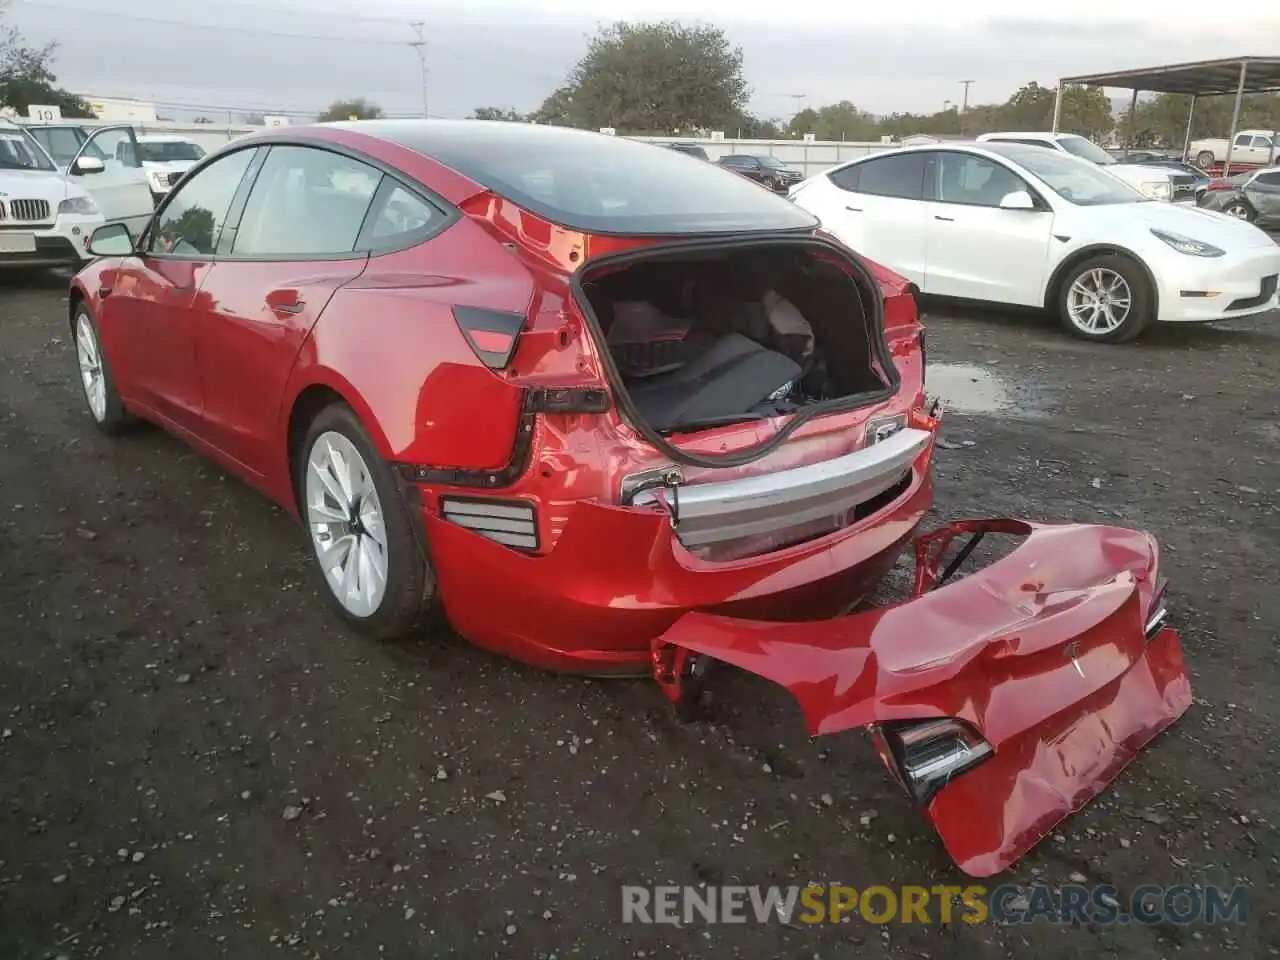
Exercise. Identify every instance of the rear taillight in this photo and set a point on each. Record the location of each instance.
(513, 523)
(926, 754)
(492, 334)
(1158, 615)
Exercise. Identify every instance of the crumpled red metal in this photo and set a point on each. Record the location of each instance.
(1045, 653)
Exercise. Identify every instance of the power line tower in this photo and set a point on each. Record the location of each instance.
(420, 48)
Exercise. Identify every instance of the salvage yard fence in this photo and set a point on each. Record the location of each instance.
(809, 157)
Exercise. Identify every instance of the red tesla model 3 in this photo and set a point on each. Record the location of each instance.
(562, 386)
(613, 409)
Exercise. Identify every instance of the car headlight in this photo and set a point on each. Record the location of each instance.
(925, 755)
(1157, 190)
(1192, 248)
(84, 206)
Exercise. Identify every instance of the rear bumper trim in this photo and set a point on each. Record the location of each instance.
(709, 513)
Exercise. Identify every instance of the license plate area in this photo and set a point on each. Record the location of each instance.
(17, 243)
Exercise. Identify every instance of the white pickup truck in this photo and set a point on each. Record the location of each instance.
(1155, 183)
(1249, 146)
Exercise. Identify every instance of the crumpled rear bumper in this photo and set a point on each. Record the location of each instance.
(1054, 657)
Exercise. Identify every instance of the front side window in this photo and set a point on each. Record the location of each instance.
(1268, 179)
(306, 202)
(1244, 140)
(192, 220)
(899, 176)
(976, 181)
(63, 143)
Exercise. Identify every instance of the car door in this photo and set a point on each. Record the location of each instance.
(121, 189)
(1261, 150)
(879, 210)
(296, 242)
(1263, 191)
(149, 326)
(974, 248)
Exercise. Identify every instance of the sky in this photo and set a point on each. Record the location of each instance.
(294, 55)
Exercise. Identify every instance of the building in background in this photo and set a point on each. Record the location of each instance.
(122, 109)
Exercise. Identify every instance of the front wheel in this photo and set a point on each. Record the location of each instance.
(1205, 159)
(1106, 299)
(375, 573)
(1240, 210)
(97, 384)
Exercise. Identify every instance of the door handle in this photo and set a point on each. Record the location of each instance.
(290, 307)
(183, 287)
(854, 209)
(947, 219)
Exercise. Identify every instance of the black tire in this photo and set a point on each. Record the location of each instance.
(1141, 301)
(1246, 211)
(409, 602)
(112, 419)
(1205, 159)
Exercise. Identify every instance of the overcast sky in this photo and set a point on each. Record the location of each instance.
(884, 57)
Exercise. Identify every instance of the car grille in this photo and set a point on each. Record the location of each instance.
(1183, 186)
(27, 210)
(1268, 291)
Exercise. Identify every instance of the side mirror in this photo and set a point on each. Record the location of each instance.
(111, 240)
(85, 165)
(1018, 200)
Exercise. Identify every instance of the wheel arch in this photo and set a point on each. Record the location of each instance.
(321, 389)
(1054, 287)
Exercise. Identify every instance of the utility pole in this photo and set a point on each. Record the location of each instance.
(964, 107)
(420, 48)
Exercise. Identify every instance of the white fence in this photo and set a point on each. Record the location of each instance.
(807, 157)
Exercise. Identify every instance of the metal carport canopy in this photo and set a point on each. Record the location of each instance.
(1204, 78)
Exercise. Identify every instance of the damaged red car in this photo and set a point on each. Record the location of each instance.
(614, 411)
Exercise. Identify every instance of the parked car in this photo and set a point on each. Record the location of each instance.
(1253, 196)
(45, 218)
(1153, 182)
(764, 170)
(121, 188)
(691, 149)
(1016, 224)
(165, 158)
(1250, 146)
(689, 399)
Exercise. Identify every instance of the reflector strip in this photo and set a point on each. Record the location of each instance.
(509, 522)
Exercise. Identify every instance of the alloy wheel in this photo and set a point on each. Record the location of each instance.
(92, 375)
(1099, 301)
(347, 524)
(1237, 210)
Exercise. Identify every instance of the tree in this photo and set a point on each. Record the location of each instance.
(498, 113)
(359, 107)
(658, 78)
(1162, 120)
(26, 77)
(1086, 111)
(835, 121)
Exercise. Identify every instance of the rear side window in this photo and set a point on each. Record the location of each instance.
(306, 202)
(398, 218)
(897, 176)
(1268, 179)
(846, 179)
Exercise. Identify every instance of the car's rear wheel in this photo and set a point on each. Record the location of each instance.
(1240, 210)
(1205, 159)
(96, 382)
(1106, 299)
(375, 572)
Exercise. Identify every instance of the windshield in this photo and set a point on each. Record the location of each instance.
(19, 152)
(1076, 181)
(162, 151)
(1080, 147)
(595, 183)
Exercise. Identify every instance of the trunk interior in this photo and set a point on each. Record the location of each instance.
(719, 337)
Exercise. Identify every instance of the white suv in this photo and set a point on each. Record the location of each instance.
(45, 219)
(1152, 182)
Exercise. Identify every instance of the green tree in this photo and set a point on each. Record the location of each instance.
(657, 78)
(1086, 111)
(26, 76)
(498, 113)
(835, 121)
(1162, 120)
(359, 107)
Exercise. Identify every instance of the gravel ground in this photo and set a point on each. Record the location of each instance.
(195, 761)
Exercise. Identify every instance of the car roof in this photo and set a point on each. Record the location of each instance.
(1047, 134)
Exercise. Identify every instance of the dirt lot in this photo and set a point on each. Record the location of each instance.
(195, 762)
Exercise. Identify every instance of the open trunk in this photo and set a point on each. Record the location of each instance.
(701, 335)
